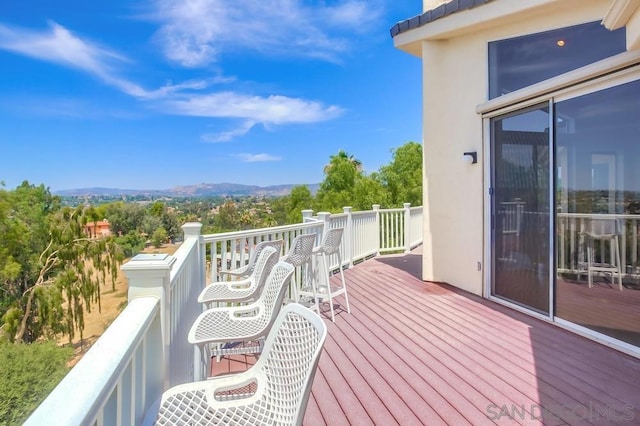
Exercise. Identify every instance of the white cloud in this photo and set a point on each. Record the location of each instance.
(195, 32)
(229, 134)
(273, 109)
(190, 98)
(61, 46)
(256, 158)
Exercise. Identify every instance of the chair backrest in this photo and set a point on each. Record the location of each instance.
(272, 296)
(255, 253)
(602, 227)
(331, 240)
(289, 361)
(266, 261)
(300, 250)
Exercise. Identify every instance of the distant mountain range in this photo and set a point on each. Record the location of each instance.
(199, 190)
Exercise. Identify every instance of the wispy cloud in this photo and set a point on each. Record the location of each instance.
(273, 109)
(229, 134)
(59, 45)
(256, 158)
(194, 33)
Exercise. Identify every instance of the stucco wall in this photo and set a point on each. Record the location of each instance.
(454, 82)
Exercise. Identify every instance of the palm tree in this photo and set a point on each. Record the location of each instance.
(343, 155)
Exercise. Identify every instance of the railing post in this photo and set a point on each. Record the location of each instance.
(307, 215)
(376, 208)
(407, 227)
(193, 230)
(149, 275)
(348, 237)
(325, 217)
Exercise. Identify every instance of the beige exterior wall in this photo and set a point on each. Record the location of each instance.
(432, 4)
(455, 81)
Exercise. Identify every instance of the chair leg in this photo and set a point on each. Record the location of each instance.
(618, 262)
(589, 261)
(328, 282)
(344, 284)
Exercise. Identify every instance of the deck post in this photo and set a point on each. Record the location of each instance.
(149, 276)
(376, 208)
(407, 227)
(307, 216)
(348, 237)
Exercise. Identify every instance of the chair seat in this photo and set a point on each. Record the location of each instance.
(227, 325)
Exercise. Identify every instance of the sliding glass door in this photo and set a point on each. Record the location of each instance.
(565, 209)
(520, 205)
(598, 211)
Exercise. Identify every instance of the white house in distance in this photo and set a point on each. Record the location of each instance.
(546, 95)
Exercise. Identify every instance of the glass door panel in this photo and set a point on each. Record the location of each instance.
(598, 211)
(521, 207)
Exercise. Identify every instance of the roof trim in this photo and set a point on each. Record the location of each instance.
(619, 13)
(431, 15)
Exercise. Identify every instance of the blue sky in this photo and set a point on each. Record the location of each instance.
(159, 93)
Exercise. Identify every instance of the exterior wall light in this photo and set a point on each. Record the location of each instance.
(473, 155)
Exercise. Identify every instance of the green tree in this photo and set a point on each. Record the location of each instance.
(228, 218)
(159, 237)
(54, 271)
(367, 191)
(124, 217)
(403, 175)
(28, 374)
(340, 177)
(299, 199)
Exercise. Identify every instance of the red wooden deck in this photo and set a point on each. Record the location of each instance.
(412, 352)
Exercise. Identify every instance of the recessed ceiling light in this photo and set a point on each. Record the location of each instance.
(560, 43)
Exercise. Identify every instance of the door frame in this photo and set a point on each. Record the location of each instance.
(489, 214)
(565, 88)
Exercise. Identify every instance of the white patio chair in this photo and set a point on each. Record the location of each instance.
(244, 290)
(275, 391)
(245, 326)
(322, 290)
(605, 231)
(299, 254)
(246, 270)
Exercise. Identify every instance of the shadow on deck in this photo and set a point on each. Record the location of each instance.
(414, 352)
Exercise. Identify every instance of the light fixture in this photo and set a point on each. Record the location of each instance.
(473, 155)
(560, 43)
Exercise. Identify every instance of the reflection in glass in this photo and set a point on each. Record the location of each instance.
(598, 211)
(522, 61)
(520, 231)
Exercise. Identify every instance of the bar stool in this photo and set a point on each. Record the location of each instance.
(603, 230)
(299, 254)
(322, 291)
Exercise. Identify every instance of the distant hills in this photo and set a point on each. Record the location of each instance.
(199, 190)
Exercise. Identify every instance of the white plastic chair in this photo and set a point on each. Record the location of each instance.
(244, 290)
(299, 254)
(324, 290)
(275, 391)
(239, 324)
(246, 270)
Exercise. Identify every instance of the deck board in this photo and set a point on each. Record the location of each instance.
(414, 352)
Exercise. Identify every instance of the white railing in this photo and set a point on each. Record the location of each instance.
(145, 350)
(117, 379)
(230, 250)
(186, 273)
(570, 244)
(415, 230)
